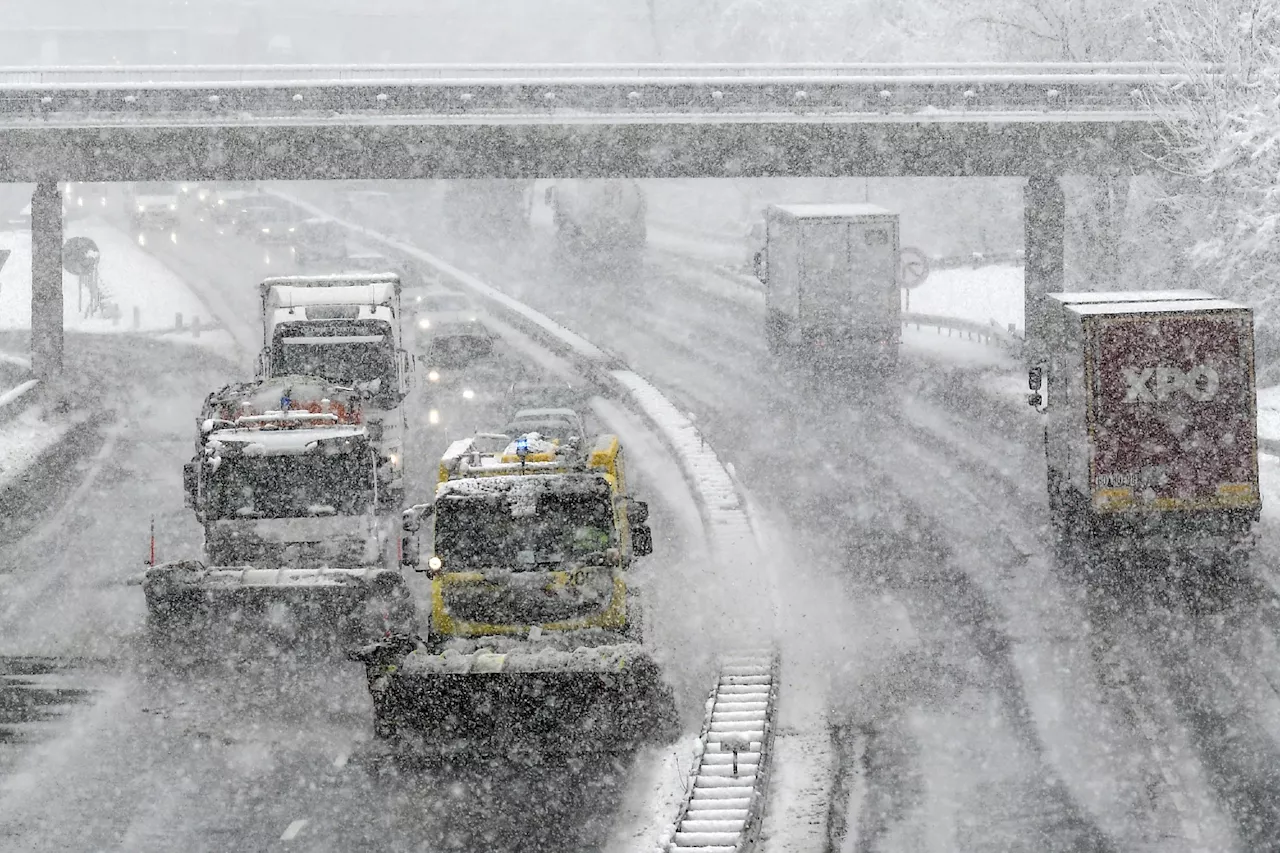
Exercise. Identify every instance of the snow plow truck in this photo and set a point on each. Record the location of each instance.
(345, 328)
(1150, 425)
(285, 481)
(534, 636)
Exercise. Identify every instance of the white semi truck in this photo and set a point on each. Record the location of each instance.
(345, 329)
(830, 273)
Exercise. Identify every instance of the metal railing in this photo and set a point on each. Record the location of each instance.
(146, 75)
(240, 92)
(991, 332)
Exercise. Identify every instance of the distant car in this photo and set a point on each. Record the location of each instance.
(545, 395)
(265, 222)
(224, 200)
(452, 327)
(562, 425)
(80, 199)
(153, 205)
(318, 241)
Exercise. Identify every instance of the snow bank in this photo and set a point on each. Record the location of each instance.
(22, 440)
(983, 294)
(132, 279)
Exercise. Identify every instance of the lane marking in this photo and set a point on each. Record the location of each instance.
(293, 830)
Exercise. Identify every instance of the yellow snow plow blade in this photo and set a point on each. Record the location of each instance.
(550, 701)
(350, 605)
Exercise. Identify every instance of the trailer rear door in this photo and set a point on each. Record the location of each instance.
(1172, 410)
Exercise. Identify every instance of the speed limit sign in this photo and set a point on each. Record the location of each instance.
(913, 268)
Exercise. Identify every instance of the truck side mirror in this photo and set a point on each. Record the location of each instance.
(411, 519)
(641, 540)
(191, 483)
(637, 511)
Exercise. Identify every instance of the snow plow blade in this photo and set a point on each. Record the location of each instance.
(589, 700)
(350, 605)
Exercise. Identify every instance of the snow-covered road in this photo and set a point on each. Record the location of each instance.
(264, 753)
(1000, 699)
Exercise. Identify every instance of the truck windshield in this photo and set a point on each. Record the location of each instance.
(341, 353)
(482, 531)
(290, 486)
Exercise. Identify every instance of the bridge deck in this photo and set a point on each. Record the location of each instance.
(229, 94)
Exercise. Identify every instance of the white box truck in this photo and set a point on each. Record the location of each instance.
(831, 283)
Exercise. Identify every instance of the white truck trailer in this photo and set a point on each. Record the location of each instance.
(831, 283)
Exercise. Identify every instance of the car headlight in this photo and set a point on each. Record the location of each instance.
(173, 207)
(142, 208)
(471, 319)
(221, 202)
(433, 416)
(266, 230)
(424, 323)
(433, 376)
(468, 394)
(291, 230)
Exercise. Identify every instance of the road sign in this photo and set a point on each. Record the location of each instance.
(913, 268)
(79, 255)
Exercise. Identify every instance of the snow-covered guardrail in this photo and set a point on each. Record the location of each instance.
(149, 74)
(732, 536)
(988, 333)
(15, 401)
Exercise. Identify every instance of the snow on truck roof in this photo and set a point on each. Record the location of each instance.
(1155, 306)
(286, 441)
(327, 281)
(830, 211)
(1112, 296)
(376, 292)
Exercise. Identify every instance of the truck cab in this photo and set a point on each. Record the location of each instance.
(526, 532)
(286, 472)
(345, 329)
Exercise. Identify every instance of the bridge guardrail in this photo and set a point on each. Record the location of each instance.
(248, 93)
(151, 74)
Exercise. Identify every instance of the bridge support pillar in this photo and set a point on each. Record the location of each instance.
(46, 280)
(1043, 218)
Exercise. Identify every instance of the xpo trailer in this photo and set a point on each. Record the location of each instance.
(346, 329)
(1151, 425)
(831, 283)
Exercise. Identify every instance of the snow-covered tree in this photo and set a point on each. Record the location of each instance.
(1222, 135)
(1064, 30)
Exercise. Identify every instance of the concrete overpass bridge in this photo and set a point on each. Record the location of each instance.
(389, 122)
